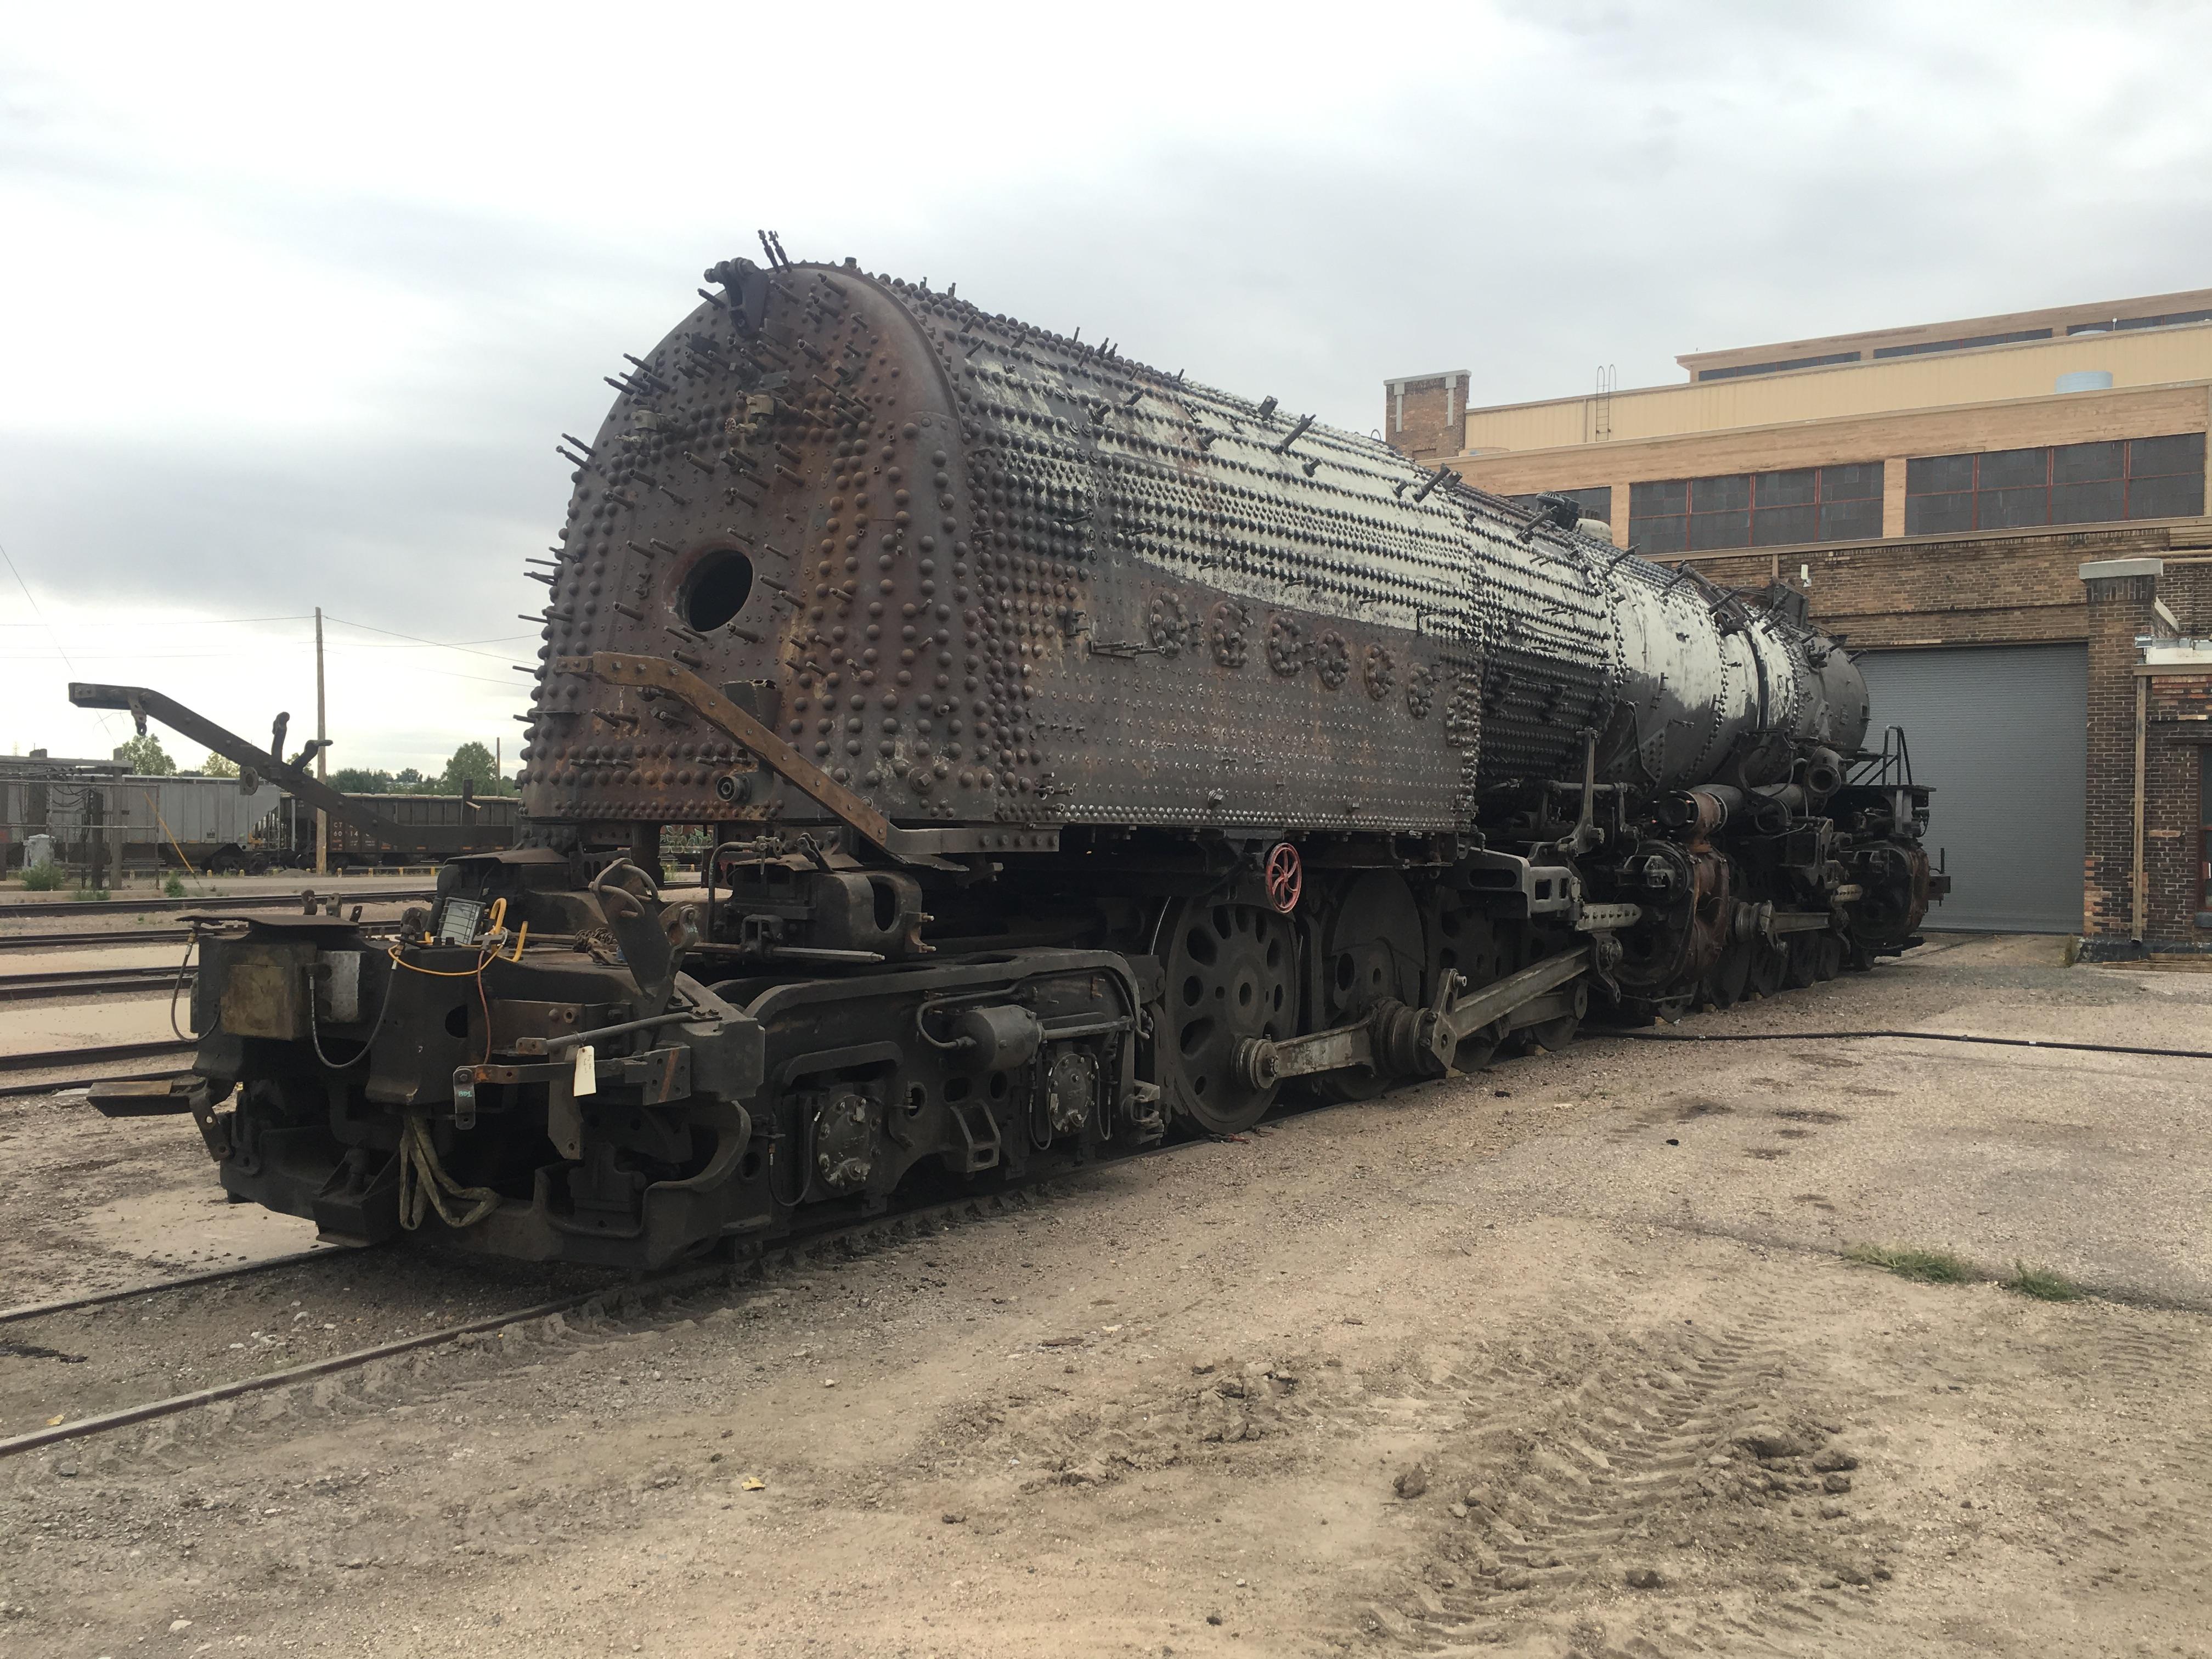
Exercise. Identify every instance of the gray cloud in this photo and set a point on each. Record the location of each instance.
(313, 342)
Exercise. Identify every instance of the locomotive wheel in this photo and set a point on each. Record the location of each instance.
(1463, 940)
(1731, 975)
(1373, 950)
(1553, 1034)
(1797, 971)
(1768, 966)
(1232, 974)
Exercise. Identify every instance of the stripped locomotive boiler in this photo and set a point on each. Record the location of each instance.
(1085, 756)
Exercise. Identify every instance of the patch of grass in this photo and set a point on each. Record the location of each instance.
(92, 895)
(2042, 1284)
(43, 877)
(175, 887)
(1909, 1261)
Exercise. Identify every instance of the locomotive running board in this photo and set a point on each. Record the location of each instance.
(1402, 1039)
(925, 848)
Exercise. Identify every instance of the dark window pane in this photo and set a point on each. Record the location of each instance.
(2165, 498)
(1938, 475)
(2008, 509)
(1719, 530)
(2165, 321)
(2088, 503)
(1722, 494)
(1777, 526)
(1843, 483)
(1938, 515)
(2009, 469)
(1851, 521)
(1783, 488)
(1651, 500)
(2084, 464)
(1667, 535)
(2159, 457)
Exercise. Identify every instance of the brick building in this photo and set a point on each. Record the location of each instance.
(2005, 518)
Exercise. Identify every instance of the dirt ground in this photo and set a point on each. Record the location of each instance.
(1564, 1358)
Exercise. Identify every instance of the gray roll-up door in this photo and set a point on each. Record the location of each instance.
(2000, 733)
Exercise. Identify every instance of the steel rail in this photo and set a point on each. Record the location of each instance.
(64, 1084)
(273, 900)
(95, 940)
(48, 1058)
(1910, 1036)
(210, 1276)
(88, 982)
(665, 1281)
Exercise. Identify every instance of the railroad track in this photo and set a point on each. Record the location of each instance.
(668, 1282)
(98, 937)
(256, 901)
(113, 1054)
(89, 981)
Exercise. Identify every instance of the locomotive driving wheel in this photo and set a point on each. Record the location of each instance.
(1731, 975)
(1373, 950)
(1768, 966)
(1231, 975)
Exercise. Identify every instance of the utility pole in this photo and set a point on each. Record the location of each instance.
(322, 766)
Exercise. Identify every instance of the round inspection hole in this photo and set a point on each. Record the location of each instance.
(717, 589)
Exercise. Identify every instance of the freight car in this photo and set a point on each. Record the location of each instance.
(407, 829)
(1088, 756)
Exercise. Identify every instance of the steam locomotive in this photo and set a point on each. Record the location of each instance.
(1086, 755)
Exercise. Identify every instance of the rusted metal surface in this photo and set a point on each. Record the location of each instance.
(978, 572)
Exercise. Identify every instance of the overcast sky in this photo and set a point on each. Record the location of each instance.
(294, 302)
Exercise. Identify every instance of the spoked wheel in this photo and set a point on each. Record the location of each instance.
(1731, 977)
(1373, 949)
(1827, 956)
(1231, 976)
(1797, 971)
(1768, 965)
(1463, 940)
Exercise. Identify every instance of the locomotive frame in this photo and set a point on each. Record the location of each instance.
(1086, 755)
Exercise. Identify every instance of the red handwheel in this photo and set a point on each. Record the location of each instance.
(1286, 877)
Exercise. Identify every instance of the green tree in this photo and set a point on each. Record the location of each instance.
(146, 757)
(472, 764)
(215, 766)
(407, 781)
(360, 781)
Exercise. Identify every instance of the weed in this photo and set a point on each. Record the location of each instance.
(175, 887)
(92, 895)
(1906, 1261)
(43, 877)
(2042, 1284)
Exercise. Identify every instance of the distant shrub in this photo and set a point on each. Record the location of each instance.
(43, 877)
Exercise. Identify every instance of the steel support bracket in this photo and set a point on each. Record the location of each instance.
(923, 848)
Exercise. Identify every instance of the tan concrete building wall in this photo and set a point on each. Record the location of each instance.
(1985, 374)
(1866, 341)
(1891, 438)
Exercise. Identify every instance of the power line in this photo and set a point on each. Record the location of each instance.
(106, 722)
(443, 644)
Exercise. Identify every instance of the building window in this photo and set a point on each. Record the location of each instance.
(2166, 321)
(1757, 510)
(1595, 503)
(1783, 366)
(1968, 344)
(2066, 483)
(2204, 830)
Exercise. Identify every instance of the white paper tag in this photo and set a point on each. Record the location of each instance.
(587, 1072)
